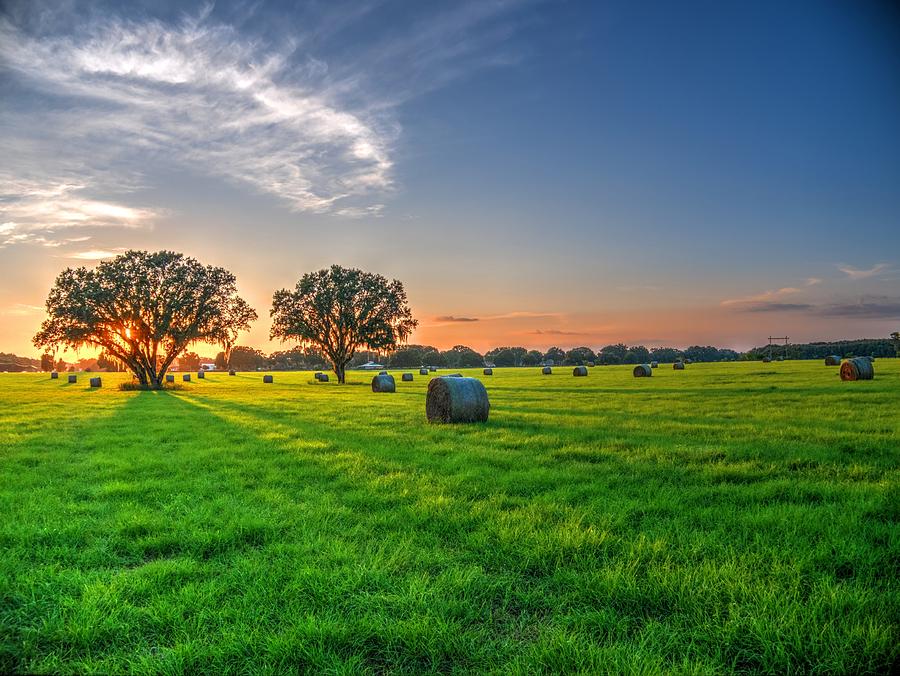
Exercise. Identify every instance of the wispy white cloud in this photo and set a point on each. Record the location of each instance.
(95, 254)
(315, 131)
(856, 273)
(812, 281)
(42, 212)
(765, 296)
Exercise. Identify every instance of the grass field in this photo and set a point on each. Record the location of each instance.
(726, 517)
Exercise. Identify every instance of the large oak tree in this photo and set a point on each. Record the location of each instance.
(341, 310)
(144, 309)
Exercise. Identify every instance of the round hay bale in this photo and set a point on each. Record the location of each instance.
(406, 377)
(201, 374)
(186, 377)
(642, 371)
(678, 366)
(323, 378)
(579, 371)
(488, 372)
(547, 371)
(95, 382)
(859, 368)
(871, 358)
(456, 400)
(382, 373)
(654, 364)
(688, 361)
(453, 375)
(590, 363)
(432, 369)
(766, 360)
(170, 378)
(832, 360)
(423, 372)
(268, 379)
(384, 383)
(318, 374)
(73, 379)
(54, 375)
(232, 373)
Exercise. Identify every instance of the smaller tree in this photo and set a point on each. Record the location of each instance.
(555, 355)
(46, 362)
(341, 310)
(895, 339)
(189, 361)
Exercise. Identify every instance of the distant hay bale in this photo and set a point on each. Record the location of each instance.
(547, 371)
(186, 377)
(423, 372)
(689, 361)
(384, 383)
(323, 378)
(678, 366)
(859, 368)
(54, 375)
(642, 371)
(95, 382)
(590, 363)
(579, 371)
(832, 360)
(268, 379)
(170, 378)
(456, 400)
(407, 377)
(73, 379)
(318, 374)
(382, 373)
(766, 360)
(232, 373)
(453, 375)
(432, 369)
(488, 372)
(201, 374)
(654, 364)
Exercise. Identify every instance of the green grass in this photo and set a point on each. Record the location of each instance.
(727, 517)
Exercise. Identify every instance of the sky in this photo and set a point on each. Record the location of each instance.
(536, 173)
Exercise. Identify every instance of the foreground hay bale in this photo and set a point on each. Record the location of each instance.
(384, 382)
(642, 371)
(547, 371)
(579, 371)
(678, 366)
(654, 364)
(73, 379)
(488, 372)
(832, 360)
(268, 379)
(407, 377)
(95, 382)
(423, 372)
(859, 368)
(54, 375)
(186, 377)
(170, 378)
(456, 400)
(201, 374)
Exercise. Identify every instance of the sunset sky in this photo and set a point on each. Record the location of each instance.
(536, 173)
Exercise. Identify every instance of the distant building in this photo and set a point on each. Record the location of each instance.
(207, 367)
(370, 366)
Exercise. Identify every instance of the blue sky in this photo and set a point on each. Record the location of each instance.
(562, 172)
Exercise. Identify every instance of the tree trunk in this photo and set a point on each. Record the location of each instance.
(341, 372)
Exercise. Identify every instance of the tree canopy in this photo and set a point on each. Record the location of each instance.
(143, 309)
(340, 310)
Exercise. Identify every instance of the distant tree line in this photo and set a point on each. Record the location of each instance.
(245, 358)
(875, 347)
